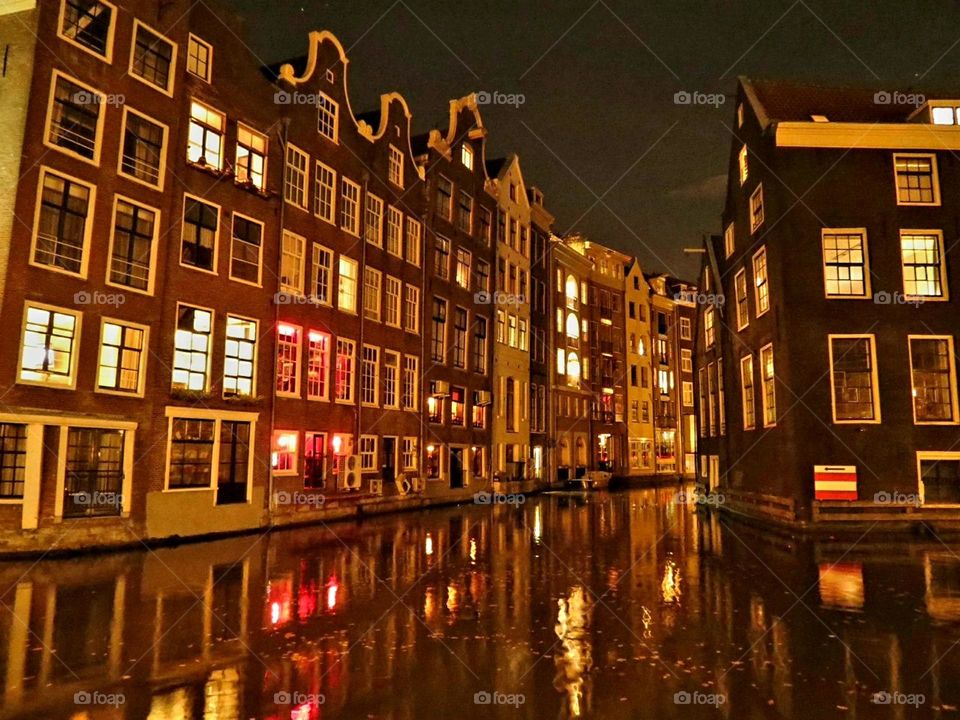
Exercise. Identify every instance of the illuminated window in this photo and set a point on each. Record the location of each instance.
(283, 458)
(933, 377)
(292, 261)
(512, 330)
(709, 327)
(685, 331)
(318, 362)
(756, 209)
(391, 303)
(191, 348)
(768, 386)
(373, 220)
(347, 285)
(409, 454)
(152, 58)
(327, 112)
(522, 334)
(921, 255)
(191, 453)
(296, 175)
(742, 164)
(142, 151)
(466, 156)
(435, 404)
(368, 453)
(344, 370)
(743, 308)
(761, 286)
(288, 360)
(89, 23)
(853, 378)
(122, 347)
(412, 248)
(369, 375)
(395, 167)
(394, 231)
(372, 280)
(573, 369)
(409, 396)
(64, 224)
(746, 392)
(458, 406)
(686, 361)
(205, 136)
(916, 178)
(240, 357)
(199, 58)
(573, 326)
(349, 206)
(688, 393)
(845, 272)
(251, 157)
(315, 460)
(441, 257)
(728, 240)
(411, 309)
(198, 234)
(325, 193)
(246, 249)
(13, 460)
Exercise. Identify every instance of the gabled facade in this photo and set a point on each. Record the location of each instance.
(541, 324)
(639, 368)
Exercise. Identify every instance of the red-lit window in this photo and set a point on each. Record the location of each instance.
(288, 360)
(318, 364)
(283, 459)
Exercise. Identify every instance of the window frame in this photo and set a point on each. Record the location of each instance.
(191, 39)
(144, 355)
(875, 379)
(171, 79)
(164, 149)
(933, 455)
(944, 295)
(935, 179)
(288, 168)
(867, 287)
(742, 273)
(215, 252)
(395, 166)
(316, 249)
(752, 389)
(208, 371)
(729, 239)
(325, 364)
(298, 290)
(218, 417)
(352, 385)
(754, 223)
(87, 229)
(253, 132)
(333, 189)
(230, 275)
(357, 285)
(763, 386)
(374, 360)
(71, 383)
(222, 159)
(117, 198)
(107, 57)
(297, 361)
(101, 116)
(951, 357)
(335, 120)
(254, 361)
(375, 237)
(759, 310)
(354, 228)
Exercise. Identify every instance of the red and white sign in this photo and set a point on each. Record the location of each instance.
(835, 482)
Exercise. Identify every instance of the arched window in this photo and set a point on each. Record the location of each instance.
(573, 326)
(571, 291)
(573, 369)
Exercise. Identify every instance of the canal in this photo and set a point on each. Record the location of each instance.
(607, 605)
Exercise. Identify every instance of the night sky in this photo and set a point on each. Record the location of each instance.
(599, 131)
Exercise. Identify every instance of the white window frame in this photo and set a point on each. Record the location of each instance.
(395, 166)
(87, 228)
(212, 334)
(333, 111)
(392, 282)
(352, 308)
(944, 295)
(875, 380)
(71, 383)
(955, 407)
(153, 246)
(756, 199)
(413, 234)
(197, 40)
(101, 115)
(108, 56)
(144, 353)
(256, 353)
(298, 360)
(394, 366)
(729, 240)
(758, 306)
(935, 177)
(286, 287)
(862, 232)
(321, 169)
(743, 166)
(394, 240)
(325, 395)
(372, 294)
(216, 234)
(407, 288)
(933, 455)
(266, 154)
(163, 150)
(315, 265)
(352, 385)
(369, 454)
(375, 361)
(742, 292)
(171, 79)
(218, 416)
(354, 227)
(747, 360)
(291, 171)
(763, 385)
(230, 274)
(373, 229)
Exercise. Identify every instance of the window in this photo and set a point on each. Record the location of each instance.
(465, 213)
(756, 209)
(409, 394)
(322, 273)
(373, 220)
(296, 176)
(152, 58)
(251, 158)
(729, 240)
(49, 347)
(761, 287)
(347, 286)
(466, 156)
(76, 118)
(480, 344)
(391, 305)
(486, 225)
(368, 453)
(411, 309)
(709, 327)
(512, 330)
(395, 167)
(412, 250)
(369, 371)
(394, 231)
(746, 389)
(459, 338)
(703, 407)
(292, 258)
(685, 333)
(439, 330)
(246, 248)
(283, 456)
(501, 326)
(371, 293)
(441, 257)
(240, 357)
(687, 394)
(435, 403)
(62, 232)
(845, 270)
(288, 360)
(198, 238)
(89, 24)
(344, 370)
(742, 165)
(933, 377)
(205, 136)
(481, 276)
(478, 417)
(743, 307)
(191, 348)
(199, 58)
(686, 361)
(132, 246)
(522, 335)
(325, 193)
(409, 454)
(921, 254)
(318, 363)
(768, 386)
(391, 378)
(191, 453)
(121, 365)
(13, 460)
(142, 153)
(457, 409)
(939, 477)
(327, 112)
(444, 198)
(350, 206)
(463, 268)
(916, 178)
(853, 363)
(315, 460)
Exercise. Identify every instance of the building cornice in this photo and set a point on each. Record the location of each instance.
(867, 136)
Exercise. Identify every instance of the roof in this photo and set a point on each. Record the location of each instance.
(786, 100)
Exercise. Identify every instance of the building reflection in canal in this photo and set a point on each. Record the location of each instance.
(589, 606)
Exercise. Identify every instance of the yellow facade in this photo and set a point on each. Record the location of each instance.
(640, 413)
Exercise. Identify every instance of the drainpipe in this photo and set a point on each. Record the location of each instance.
(361, 294)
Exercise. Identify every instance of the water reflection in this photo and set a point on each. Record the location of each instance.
(589, 605)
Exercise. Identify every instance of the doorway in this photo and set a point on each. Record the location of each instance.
(456, 467)
(388, 463)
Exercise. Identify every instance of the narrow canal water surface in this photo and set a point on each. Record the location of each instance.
(570, 605)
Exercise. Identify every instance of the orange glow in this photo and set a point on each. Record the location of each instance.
(286, 329)
(333, 587)
(428, 545)
(287, 441)
(337, 443)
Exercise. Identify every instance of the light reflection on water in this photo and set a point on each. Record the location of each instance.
(588, 605)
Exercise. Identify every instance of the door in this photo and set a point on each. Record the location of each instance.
(94, 474)
(388, 464)
(234, 470)
(456, 467)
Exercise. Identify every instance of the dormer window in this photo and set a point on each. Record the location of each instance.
(466, 156)
(820, 118)
(945, 114)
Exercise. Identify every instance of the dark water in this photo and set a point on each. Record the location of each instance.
(571, 605)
